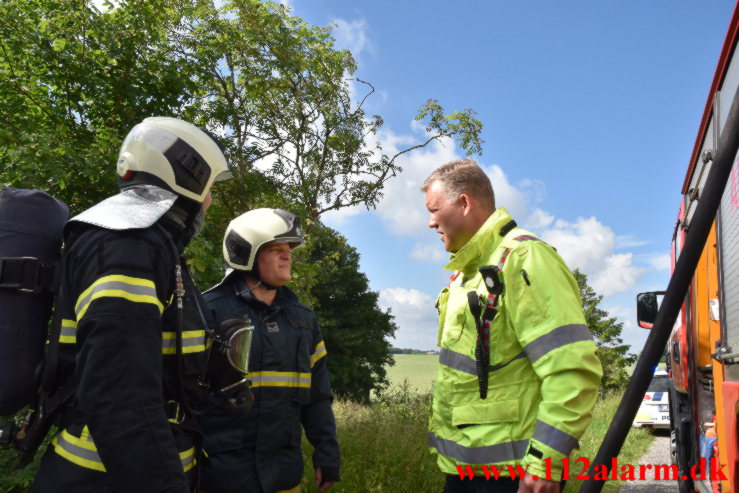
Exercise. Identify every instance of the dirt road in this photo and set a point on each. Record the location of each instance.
(658, 453)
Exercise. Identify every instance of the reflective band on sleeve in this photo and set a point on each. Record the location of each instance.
(561, 336)
(132, 289)
(82, 451)
(319, 353)
(188, 459)
(76, 450)
(465, 364)
(489, 454)
(279, 379)
(458, 361)
(193, 341)
(554, 438)
(296, 489)
(68, 335)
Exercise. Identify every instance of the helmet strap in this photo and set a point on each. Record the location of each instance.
(254, 273)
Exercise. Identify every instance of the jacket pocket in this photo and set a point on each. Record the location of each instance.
(487, 413)
(531, 303)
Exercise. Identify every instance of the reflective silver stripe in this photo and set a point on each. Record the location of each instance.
(552, 437)
(82, 451)
(192, 341)
(82, 456)
(279, 379)
(489, 454)
(458, 361)
(188, 459)
(129, 288)
(561, 336)
(465, 364)
(68, 333)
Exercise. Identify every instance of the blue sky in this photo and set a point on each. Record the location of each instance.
(590, 113)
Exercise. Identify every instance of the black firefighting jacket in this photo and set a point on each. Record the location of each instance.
(261, 452)
(126, 429)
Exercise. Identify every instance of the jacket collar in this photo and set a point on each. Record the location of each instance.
(482, 244)
(284, 294)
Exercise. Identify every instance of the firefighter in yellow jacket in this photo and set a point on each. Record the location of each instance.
(518, 374)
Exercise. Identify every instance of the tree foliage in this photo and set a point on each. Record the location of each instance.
(75, 78)
(354, 327)
(613, 353)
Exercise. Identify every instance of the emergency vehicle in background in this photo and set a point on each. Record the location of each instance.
(703, 349)
(654, 411)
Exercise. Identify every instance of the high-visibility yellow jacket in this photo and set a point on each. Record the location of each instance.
(543, 370)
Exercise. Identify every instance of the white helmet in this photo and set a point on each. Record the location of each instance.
(172, 154)
(251, 230)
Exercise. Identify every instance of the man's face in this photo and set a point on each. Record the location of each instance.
(447, 217)
(207, 201)
(275, 263)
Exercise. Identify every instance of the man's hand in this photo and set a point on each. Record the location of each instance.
(539, 485)
(325, 486)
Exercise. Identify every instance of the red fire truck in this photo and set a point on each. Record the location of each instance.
(703, 349)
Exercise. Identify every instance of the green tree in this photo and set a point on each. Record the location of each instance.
(75, 79)
(613, 353)
(354, 327)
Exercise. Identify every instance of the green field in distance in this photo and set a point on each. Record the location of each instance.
(419, 370)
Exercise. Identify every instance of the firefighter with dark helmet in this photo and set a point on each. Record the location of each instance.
(132, 341)
(260, 452)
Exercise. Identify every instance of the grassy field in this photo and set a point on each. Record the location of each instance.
(384, 447)
(416, 371)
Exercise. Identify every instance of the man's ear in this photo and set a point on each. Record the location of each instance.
(466, 202)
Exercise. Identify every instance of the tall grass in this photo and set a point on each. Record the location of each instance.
(384, 448)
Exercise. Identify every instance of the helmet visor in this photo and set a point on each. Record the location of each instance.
(239, 345)
(224, 175)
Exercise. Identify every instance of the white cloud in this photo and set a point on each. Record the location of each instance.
(415, 317)
(629, 242)
(539, 219)
(429, 253)
(618, 275)
(583, 244)
(588, 245)
(402, 207)
(353, 36)
(658, 261)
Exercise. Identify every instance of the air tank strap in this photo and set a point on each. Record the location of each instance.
(27, 274)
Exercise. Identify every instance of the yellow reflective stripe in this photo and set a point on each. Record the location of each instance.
(68, 334)
(279, 379)
(193, 341)
(319, 353)
(132, 289)
(291, 490)
(82, 451)
(188, 459)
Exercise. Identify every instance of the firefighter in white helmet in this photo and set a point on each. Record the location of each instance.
(287, 367)
(132, 367)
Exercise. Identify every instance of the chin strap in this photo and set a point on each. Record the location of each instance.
(256, 275)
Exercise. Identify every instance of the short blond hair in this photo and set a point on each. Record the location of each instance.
(463, 176)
